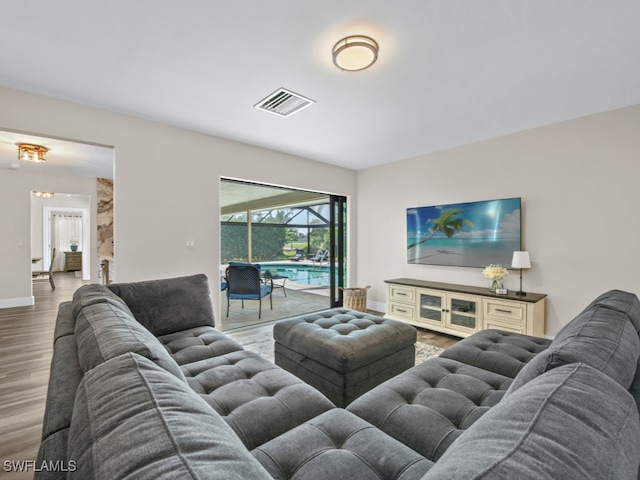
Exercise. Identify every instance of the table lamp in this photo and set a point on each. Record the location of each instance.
(521, 260)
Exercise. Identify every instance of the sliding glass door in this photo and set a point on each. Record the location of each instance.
(337, 247)
(299, 239)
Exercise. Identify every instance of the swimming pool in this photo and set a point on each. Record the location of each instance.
(315, 275)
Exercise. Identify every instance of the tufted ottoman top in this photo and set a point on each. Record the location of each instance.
(343, 339)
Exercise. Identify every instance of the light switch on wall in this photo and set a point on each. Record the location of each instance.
(189, 243)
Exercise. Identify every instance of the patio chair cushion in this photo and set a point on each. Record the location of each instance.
(264, 291)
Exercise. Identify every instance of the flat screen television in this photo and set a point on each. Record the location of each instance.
(472, 234)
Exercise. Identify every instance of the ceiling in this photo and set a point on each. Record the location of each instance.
(64, 157)
(449, 72)
(239, 197)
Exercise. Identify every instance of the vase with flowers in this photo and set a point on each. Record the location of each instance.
(496, 275)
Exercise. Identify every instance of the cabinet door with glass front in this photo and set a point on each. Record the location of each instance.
(463, 313)
(431, 306)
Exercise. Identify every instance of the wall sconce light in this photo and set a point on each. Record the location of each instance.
(31, 153)
(521, 260)
(354, 53)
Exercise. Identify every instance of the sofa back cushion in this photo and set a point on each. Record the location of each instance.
(573, 422)
(620, 301)
(103, 331)
(134, 420)
(93, 294)
(602, 336)
(168, 305)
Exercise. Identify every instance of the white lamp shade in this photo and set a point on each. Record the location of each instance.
(520, 260)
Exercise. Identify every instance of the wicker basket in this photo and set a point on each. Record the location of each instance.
(355, 298)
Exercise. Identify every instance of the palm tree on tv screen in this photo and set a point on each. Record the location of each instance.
(448, 223)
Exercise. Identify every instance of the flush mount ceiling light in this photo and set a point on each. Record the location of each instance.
(41, 194)
(355, 52)
(31, 153)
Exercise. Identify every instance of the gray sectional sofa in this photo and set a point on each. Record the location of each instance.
(143, 386)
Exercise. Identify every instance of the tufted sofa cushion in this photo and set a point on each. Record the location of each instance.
(602, 336)
(571, 423)
(193, 344)
(339, 445)
(498, 351)
(132, 419)
(104, 331)
(342, 339)
(430, 405)
(257, 399)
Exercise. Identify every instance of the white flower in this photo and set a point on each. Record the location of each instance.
(495, 272)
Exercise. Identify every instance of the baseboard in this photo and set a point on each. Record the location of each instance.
(377, 306)
(17, 302)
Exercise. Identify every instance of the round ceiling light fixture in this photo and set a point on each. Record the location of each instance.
(355, 52)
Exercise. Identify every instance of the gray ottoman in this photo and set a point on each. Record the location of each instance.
(344, 353)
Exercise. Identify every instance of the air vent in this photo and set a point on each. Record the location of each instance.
(284, 103)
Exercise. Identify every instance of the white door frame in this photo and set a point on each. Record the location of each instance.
(86, 238)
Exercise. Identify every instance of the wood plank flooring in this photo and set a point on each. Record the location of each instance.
(26, 347)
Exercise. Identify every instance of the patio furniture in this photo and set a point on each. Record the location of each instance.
(270, 276)
(284, 279)
(298, 256)
(244, 283)
(321, 256)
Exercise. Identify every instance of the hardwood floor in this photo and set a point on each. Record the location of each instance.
(26, 347)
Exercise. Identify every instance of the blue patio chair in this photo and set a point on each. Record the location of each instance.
(243, 283)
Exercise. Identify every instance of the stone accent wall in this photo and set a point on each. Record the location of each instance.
(105, 218)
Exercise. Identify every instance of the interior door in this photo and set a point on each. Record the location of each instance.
(337, 243)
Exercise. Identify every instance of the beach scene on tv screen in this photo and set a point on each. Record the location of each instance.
(473, 234)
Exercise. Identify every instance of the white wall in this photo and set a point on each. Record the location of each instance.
(579, 182)
(16, 236)
(166, 186)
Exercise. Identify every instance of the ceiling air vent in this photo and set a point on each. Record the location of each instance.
(284, 103)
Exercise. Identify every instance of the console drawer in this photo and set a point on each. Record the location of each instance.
(401, 311)
(513, 313)
(402, 294)
(499, 324)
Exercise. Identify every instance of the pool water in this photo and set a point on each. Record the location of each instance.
(315, 275)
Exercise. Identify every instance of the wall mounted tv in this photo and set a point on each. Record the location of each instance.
(473, 234)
